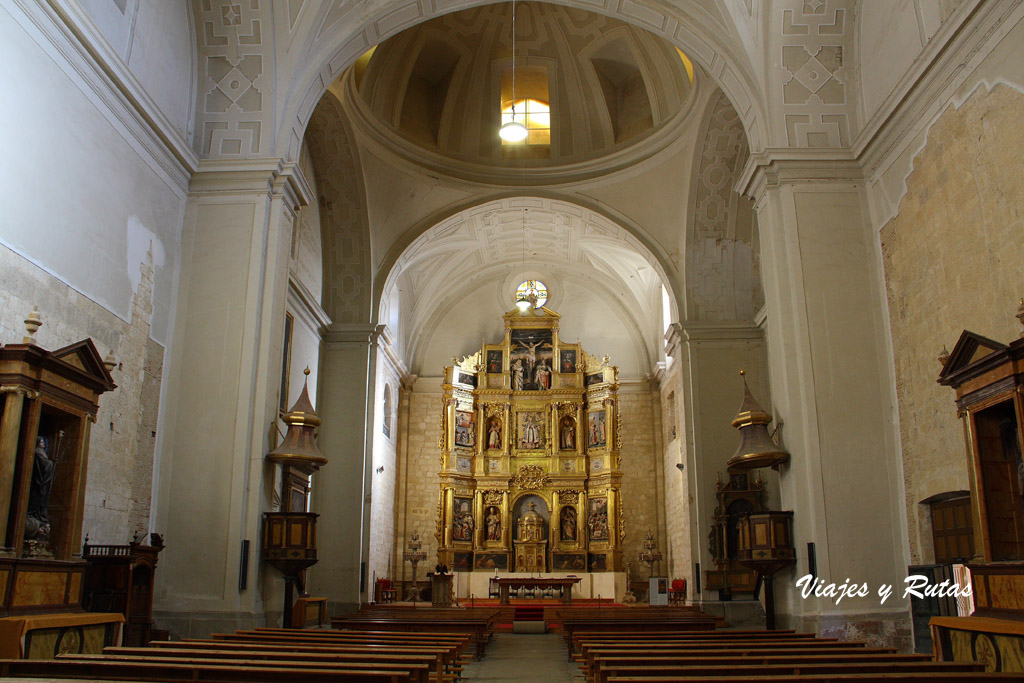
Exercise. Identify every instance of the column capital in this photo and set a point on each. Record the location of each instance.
(779, 166)
(348, 333)
(273, 176)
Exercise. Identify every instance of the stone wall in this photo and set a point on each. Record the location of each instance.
(677, 504)
(418, 465)
(952, 262)
(383, 561)
(121, 446)
(642, 484)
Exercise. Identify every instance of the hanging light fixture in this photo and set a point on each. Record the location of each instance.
(513, 131)
(524, 304)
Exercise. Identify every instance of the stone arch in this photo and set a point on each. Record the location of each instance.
(638, 238)
(344, 220)
(421, 241)
(722, 280)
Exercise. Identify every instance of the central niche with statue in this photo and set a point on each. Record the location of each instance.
(530, 475)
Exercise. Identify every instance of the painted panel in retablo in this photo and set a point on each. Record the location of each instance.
(4, 576)
(39, 588)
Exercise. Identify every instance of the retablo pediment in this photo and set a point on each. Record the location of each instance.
(971, 354)
(83, 356)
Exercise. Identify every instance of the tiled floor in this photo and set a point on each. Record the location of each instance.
(526, 657)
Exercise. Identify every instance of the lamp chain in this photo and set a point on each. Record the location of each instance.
(513, 60)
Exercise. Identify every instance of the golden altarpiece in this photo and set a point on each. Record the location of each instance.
(530, 465)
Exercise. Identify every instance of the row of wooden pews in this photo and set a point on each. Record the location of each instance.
(476, 622)
(266, 655)
(622, 656)
(618, 619)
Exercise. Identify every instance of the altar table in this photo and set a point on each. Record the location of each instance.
(564, 586)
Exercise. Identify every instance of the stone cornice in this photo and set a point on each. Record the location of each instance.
(69, 30)
(246, 176)
(720, 331)
(352, 333)
(387, 346)
(302, 302)
(779, 166)
(945, 63)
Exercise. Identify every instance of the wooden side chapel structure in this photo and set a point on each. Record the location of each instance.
(988, 378)
(49, 400)
(529, 455)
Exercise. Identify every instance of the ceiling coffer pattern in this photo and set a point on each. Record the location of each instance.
(563, 241)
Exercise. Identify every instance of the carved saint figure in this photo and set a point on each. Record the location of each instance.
(568, 524)
(518, 375)
(494, 433)
(530, 436)
(38, 522)
(543, 376)
(493, 524)
(568, 434)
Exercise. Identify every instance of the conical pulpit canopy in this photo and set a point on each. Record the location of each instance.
(299, 450)
(757, 449)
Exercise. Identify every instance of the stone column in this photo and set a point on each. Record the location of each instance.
(342, 487)
(832, 386)
(705, 377)
(222, 392)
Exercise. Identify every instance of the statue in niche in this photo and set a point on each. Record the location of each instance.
(494, 433)
(37, 524)
(568, 434)
(518, 375)
(493, 520)
(568, 523)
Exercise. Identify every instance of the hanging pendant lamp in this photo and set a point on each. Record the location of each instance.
(513, 131)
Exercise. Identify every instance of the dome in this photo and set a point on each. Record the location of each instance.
(588, 87)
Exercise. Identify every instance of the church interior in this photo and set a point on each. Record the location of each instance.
(316, 304)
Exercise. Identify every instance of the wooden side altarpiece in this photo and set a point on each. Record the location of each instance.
(49, 402)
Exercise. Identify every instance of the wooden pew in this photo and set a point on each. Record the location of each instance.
(445, 660)
(910, 677)
(101, 669)
(476, 628)
(757, 671)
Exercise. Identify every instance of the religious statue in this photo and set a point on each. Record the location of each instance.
(518, 375)
(493, 524)
(494, 433)
(568, 434)
(543, 376)
(568, 524)
(37, 524)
